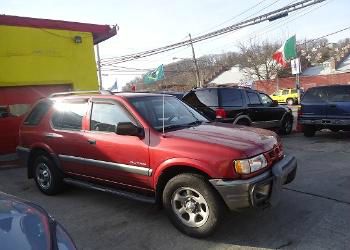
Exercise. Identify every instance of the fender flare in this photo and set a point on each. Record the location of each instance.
(183, 162)
(242, 117)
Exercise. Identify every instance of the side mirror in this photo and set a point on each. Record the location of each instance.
(128, 128)
(274, 103)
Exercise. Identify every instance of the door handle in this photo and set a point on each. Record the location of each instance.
(91, 141)
(52, 135)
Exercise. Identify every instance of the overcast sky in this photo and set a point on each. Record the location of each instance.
(148, 24)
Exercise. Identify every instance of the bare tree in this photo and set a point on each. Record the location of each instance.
(256, 59)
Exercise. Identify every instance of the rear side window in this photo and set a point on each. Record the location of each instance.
(37, 113)
(285, 92)
(200, 98)
(231, 98)
(339, 94)
(315, 95)
(69, 116)
(294, 91)
(253, 98)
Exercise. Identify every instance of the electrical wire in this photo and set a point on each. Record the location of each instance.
(253, 21)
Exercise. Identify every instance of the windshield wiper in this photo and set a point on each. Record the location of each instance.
(186, 125)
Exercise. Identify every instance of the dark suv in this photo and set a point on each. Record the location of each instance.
(242, 106)
(154, 148)
(325, 107)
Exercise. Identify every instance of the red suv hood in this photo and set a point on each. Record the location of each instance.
(250, 141)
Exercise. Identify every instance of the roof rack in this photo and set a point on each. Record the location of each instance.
(101, 92)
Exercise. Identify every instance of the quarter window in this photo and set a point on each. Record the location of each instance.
(37, 113)
(231, 98)
(69, 116)
(105, 117)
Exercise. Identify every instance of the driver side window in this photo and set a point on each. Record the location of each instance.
(267, 101)
(106, 116)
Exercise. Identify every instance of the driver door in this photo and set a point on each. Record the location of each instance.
(119, 159)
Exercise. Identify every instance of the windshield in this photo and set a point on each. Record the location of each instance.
(176, 113)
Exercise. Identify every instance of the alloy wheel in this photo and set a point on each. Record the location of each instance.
(190, 207)
(43, 176)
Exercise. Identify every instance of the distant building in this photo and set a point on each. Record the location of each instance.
(39, 57)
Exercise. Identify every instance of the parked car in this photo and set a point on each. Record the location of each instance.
(325, 107)
(26, 226)
(286, 96)
(153, 148)
(242, 106)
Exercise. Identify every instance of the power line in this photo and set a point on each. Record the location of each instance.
(268, 16)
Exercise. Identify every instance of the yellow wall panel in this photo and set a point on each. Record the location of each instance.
(34, 56)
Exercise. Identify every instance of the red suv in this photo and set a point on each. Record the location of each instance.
(153, 148)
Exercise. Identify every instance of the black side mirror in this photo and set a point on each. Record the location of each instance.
(274, 103)
(128, 128)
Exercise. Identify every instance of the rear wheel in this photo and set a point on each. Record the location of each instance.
(243, 122)
(192, 205)
(309, 130)
(47, 177)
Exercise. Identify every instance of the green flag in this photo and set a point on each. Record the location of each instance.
(154, 75)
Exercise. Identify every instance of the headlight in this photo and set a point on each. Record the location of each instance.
(250, 165)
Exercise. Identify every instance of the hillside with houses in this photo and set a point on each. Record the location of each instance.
(253, 63)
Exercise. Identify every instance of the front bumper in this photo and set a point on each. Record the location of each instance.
(264, 189)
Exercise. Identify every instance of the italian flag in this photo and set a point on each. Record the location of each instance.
(286, 52)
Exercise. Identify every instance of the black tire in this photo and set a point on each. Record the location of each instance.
(45, 171)
(243, 122)
(309, 130)
(214, 207)
(287, 125)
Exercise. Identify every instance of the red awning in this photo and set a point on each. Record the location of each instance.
(99, 32)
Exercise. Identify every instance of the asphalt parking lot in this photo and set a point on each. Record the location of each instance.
(314, 212)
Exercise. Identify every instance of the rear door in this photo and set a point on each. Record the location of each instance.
(66, 137)
(314, 104)
(338, 103)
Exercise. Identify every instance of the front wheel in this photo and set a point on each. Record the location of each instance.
(192, 205)
(287, 125)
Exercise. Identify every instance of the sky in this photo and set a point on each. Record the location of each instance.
(149, 24)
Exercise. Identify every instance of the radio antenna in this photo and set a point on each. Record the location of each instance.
(163, 113)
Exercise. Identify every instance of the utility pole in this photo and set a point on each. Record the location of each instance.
(199, 84)
(99, 67)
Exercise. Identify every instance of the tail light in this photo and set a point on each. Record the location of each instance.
(220, 113)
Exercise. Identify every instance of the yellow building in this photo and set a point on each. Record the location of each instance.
(39, 57)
